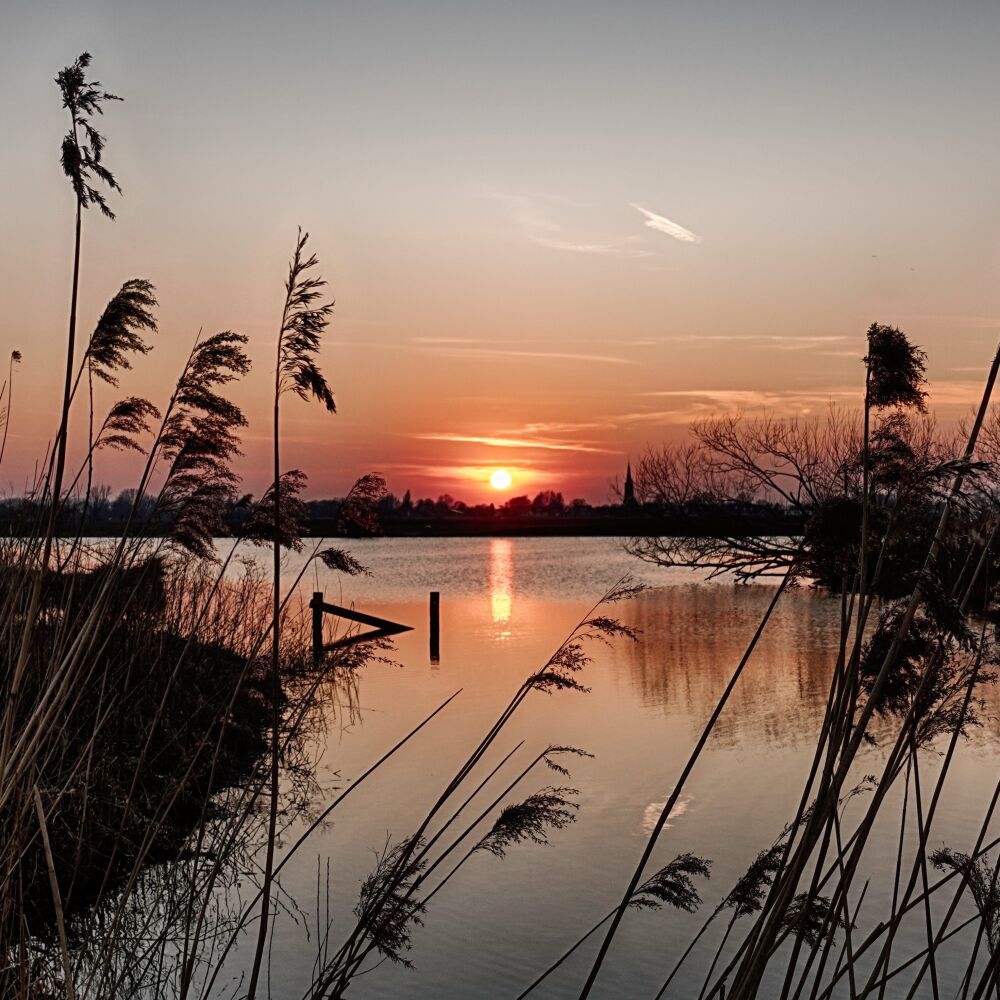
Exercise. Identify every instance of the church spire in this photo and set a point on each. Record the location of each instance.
(628, 493)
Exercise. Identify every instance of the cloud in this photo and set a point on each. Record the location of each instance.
(557, 427)
(530, 211)
(497, 352)
(615, 248)
(510, 442)
(663, 225)
(444, 340)
(956, 393)
(533, 214)
(687, 405)
(758, 341)
(731, 398)
(804, 343)
(451, 473)
(695, 403)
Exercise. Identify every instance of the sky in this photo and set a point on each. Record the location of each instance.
(556, 232)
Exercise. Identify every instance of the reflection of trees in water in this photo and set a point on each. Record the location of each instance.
(692, 638)
(694, 634)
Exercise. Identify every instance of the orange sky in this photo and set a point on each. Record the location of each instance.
(554, 235)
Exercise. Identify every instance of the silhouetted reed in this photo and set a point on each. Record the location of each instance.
(672, 886)
(8, 403)
(136, 696)
(921, 520)
(303, 321)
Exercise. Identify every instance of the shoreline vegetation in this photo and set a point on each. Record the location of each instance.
(156, 715)
(322, 520)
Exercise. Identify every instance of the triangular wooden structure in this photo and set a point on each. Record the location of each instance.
(381, 627)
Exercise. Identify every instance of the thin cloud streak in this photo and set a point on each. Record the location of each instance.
(506, 442)
(664, 225)
(693, 404)
(756, 397)
(444, 340)
(616, 248)
(701, 402)
(478, 473)
(531, 213)
(778, 342)
(801, 343)
(495, 352)
(555, 427)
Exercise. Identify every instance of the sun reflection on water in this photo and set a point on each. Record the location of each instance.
(501, 581)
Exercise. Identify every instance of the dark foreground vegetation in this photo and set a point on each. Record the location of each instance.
(156, 700)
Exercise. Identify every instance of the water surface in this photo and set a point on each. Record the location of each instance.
(505, 606)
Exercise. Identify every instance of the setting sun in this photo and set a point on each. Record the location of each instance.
(501, 479)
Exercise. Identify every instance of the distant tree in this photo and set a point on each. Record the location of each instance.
(122, 506)
(674, 477)
(837, 479)
(100, 501)
(548, 502)
(517, 506)
(387, 506)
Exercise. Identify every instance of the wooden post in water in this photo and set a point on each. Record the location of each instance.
(435, 627)
(317, 609)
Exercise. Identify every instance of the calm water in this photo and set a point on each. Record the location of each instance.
(505, 605)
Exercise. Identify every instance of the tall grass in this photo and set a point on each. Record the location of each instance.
(918, 665)
(135, 696)
(303, 321)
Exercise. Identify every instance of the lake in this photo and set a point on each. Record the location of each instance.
(506, 604)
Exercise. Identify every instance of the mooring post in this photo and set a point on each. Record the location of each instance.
(435, 627)
(317, 609)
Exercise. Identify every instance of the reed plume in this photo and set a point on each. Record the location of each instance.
(530, 820)
(15, 358)
(673, 885)
(304, 319)
(119, 331)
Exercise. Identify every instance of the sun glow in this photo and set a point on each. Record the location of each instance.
(500, 479)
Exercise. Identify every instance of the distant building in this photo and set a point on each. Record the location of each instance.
(628, 492)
